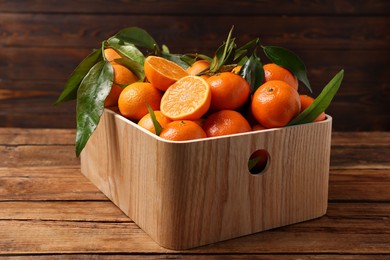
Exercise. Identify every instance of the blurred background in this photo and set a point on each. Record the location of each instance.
(42, 41)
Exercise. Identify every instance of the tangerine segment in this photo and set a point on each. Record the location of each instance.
(187, 99)
(161, 72)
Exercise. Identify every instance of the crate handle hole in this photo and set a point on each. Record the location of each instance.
(258, 162)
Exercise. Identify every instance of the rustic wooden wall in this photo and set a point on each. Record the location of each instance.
(43, 41)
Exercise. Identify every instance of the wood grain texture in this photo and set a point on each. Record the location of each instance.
(55, 212)
(190, 7)
(41, 46)
(195, 193)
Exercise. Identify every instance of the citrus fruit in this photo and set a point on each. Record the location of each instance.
(236, 69)
(276, 72)
(275, 103)
(198, 66)
(133, 100)
(182, 130)
(225, 122)
(111, 54)
(161, 72)
(228, 91)
(305, 102)
(258, 127)
(188, 98)
(147, 122)
(123, 76)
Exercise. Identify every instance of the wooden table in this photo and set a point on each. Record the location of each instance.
(48, 208)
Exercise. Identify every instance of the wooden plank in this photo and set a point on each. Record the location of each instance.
(46, 183)
(342, 214)
(209, 256)
(38, 155)
(363, 157)
(57, 64)
(181, 33)
(367, 185)
(76, 237)
(217, 7)
(360, 138)
(85, 211)
(342, 219)
(30, 136)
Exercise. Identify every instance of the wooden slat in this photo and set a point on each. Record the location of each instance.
(77, 220)
(25, 136)
(57, 64)
(344, 235)
(38, 155)
(360, 157)
(181, 33)
(86, 211)
(212, 256)
(46, 183)
(199, 7)
(361, 138)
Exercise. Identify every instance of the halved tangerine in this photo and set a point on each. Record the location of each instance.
(187, 99)
(161, 72)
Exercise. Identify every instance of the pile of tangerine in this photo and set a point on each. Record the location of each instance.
(189, 107)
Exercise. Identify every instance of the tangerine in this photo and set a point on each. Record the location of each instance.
(236, 69)
(228, 91)
(275, 103)
(161, 72)
(122, 76)
(276, 72)
(133, 100)
(198, 66)
(187, 99)
(306, 102)
(147, 122)
(111, 54)
(225, 122)
(182, 130)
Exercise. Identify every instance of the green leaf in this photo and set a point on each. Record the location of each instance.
(156, 124)
(321, 103)
(91, 94)
(127, 50)
(134, 66)
(224, 54)
(252, 71)
(136, 36)
(176, 58)
(248, 48)
(289, 60)
(72, 85)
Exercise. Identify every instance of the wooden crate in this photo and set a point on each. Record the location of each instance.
(188, 194)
